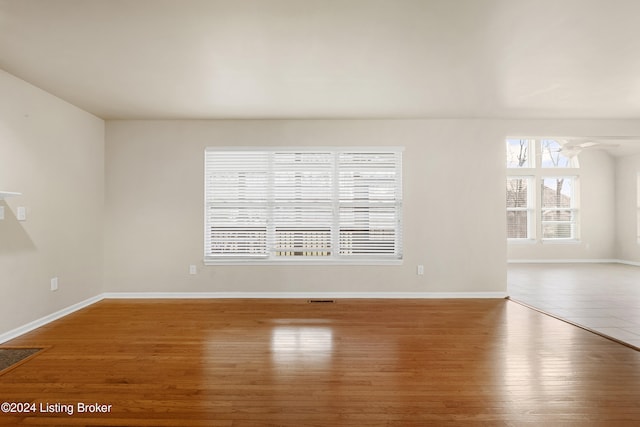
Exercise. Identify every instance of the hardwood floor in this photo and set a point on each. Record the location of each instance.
(291, 363)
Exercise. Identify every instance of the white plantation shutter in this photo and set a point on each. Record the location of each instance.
(236, 198)
(303, 209)
(370, 197)
(306, 204)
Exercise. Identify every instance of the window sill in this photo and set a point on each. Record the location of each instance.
(303, 262)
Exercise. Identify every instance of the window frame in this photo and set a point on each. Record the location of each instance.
(335, 257)
(536, 173)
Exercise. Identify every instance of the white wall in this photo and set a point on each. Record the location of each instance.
(53, 153)
(454, 222)
(627, 248)
(454, 216)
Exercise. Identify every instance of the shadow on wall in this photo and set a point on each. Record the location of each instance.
(13, 237)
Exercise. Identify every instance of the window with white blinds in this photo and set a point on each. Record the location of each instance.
(317, 205)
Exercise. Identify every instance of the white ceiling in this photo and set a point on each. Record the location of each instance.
(329, 58)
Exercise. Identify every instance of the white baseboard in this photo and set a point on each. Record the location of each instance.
(48, 319)
(622, 261)
(303, 295)
(564, 261)
(573, 261)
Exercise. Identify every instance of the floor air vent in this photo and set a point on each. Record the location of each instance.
(321, 301)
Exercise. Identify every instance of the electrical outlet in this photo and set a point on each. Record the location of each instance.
(420, 270)
(54, 284)
(21, 213)
(193, 269)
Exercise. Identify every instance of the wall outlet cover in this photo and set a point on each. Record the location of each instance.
(21, 213)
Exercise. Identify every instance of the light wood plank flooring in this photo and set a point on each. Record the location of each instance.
(352, 363)
(604, 298)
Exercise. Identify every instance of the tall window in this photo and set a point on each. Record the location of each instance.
(559, 212)
(542, 191)
(317, 205)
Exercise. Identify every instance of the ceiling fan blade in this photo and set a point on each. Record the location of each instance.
(571, 152)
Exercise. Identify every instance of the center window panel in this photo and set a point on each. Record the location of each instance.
(303, 207)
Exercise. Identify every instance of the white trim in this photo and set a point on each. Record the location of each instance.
(320, 148)
(573, 261)
(622, 261)
(302, 295)
(48, 319)
(304, 261)
(563, 261)
(5, 194)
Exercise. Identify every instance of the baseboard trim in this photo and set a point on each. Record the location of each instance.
(564, 261)
(625, 262)
(305, 295)
(573, 261)
(21, 330)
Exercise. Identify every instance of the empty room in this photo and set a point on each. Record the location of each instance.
(294, 212)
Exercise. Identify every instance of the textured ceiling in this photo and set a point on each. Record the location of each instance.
(329, 58)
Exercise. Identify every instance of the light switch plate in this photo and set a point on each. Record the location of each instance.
(1, 212)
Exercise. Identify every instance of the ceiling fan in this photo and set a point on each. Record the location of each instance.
(574, 146)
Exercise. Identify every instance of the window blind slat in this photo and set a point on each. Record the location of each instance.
(236, 211)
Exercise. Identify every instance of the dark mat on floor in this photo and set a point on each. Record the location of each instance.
(12, 356)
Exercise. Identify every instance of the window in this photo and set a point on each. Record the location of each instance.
(316, 205)
(520, 214)
(558, 208)
(542, 191)
(519, 153)
(553, 156)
